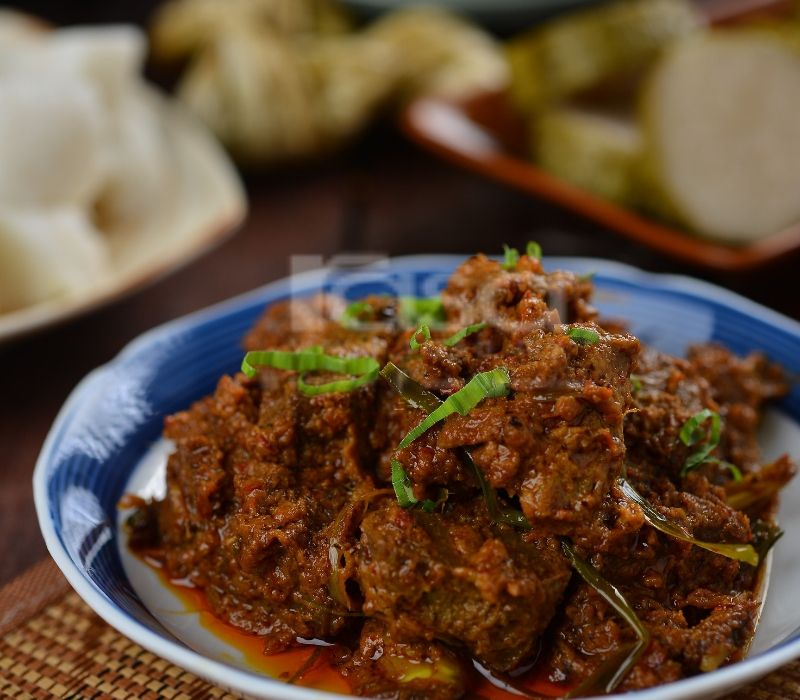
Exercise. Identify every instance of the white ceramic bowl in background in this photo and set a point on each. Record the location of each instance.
(207, 205)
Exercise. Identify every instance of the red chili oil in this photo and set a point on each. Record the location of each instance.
(310, 664)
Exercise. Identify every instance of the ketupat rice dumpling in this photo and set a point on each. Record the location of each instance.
(722, 142)
(705, 141)
(589, 148)
(270, 102)
(182, 27)
(440, 53)
(588, 49)
(273, 94)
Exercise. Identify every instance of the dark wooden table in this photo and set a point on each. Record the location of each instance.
(383, 196)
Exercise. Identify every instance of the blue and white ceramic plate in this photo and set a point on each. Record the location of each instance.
(106, 442)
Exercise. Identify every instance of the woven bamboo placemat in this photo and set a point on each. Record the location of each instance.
(53, 646)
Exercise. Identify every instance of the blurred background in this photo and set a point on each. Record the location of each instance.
(152, 169)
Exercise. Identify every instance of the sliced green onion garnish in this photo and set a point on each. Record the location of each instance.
(741, 552)
(457, 337)
(463, 333)
(533, 250)
(414, 311)
(351, 316)
(693, 432)
(636, 384)
(482, 386)
(508, 516)
(510, 257)
(402, 486)
(583, 336)
(426, 335)
(405, 492)
(616, 600)
(338, 386)
(365, 369)
(419, 397)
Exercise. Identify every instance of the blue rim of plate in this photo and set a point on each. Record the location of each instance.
(768, 330)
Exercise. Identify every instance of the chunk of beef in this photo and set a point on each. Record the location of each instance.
(258, 473)
(460, 579)
(740, 386)
(669, 392)
(383, 667)
(710, 630)
(516, 301)
(555, 441)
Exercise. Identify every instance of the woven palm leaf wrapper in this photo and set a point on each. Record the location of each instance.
(279, 86)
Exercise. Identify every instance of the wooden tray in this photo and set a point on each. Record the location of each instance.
(486, 135)
(53, 646)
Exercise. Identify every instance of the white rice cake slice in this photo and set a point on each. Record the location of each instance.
(52, 140)
(46, 254)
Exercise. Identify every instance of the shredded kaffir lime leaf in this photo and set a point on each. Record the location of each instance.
(363, 370)
(741, 552)
(339, 386)
(608, 676)
(693, 431)
(511, 255)
(424, 332)
(583, 336)
(413, 392)
(508, 516)
(482, 386)
(411, 312)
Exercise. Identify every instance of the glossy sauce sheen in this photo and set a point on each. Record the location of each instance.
(278, 502)
(319, 673)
